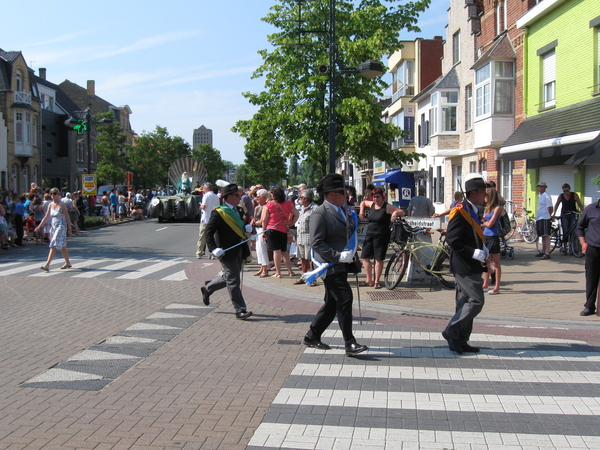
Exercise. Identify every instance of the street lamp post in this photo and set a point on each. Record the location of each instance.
(369, 69)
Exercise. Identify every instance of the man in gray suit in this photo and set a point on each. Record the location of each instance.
(330, 226)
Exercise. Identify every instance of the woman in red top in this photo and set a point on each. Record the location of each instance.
(277, 217)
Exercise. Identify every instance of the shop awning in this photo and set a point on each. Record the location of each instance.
(555, 134)
(402, 179)
(589, 153)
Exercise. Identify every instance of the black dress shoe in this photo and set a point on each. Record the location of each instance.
(243, 315)
(205, 296)
(469, 349)
(453, 344)
(587, 312)
(315, 343)
(355, 349)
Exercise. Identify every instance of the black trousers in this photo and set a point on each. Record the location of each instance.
(338, 300)
(592, 276)
(19, 229)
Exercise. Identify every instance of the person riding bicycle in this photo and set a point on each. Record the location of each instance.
(569, 202)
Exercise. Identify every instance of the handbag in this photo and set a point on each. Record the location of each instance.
(290, 236)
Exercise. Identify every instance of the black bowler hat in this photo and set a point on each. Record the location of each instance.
(230, 189)
(474, 184)
(333, 182)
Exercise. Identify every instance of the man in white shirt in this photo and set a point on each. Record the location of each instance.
(209, 201)
(543, 220)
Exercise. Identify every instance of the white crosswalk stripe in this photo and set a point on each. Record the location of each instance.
(114, 268)
(420, 395)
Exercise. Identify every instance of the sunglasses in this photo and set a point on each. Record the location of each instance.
(53, 193)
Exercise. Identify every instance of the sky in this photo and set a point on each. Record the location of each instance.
(178, 64)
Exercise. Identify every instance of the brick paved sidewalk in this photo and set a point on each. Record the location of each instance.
(552, 290)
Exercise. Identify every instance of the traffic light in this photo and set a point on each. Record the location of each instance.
(81, 126)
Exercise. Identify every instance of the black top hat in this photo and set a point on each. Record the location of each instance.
(333, 182)
(474, 184)
(230, 189)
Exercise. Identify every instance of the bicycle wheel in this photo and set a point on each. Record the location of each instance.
(575, 245)
(395, 269)
(513, 227)
(554, 240)
(528, 231)
(441, 267)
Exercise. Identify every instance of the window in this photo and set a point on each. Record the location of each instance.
(503, 87)
(483, 166)
(27, 128)
(598, 59)
(507, 173)
(473, 167)
(35, 175)
(25, 175)
(19, 127)
(449, 110)
(469, 107)
(19, 81)
(35, 132)
(482, 91)
(456, 47)
(458, 178)
(402, 81)
(433, 114)
(549, 79)
(15, 176)
(498, 86)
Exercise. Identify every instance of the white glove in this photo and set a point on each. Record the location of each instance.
(248, 228)
(479, 255)
(218, 252)
(346, 256)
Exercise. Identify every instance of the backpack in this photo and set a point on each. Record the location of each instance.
(504, 224)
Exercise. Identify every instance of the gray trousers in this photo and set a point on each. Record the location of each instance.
(232, 268)
(469, 303)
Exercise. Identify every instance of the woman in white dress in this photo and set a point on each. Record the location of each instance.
(58, 214)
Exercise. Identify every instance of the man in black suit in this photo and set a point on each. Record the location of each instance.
(330, 226)
(224, 230)
(468, 258)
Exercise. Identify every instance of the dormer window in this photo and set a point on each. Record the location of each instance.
(19, 87)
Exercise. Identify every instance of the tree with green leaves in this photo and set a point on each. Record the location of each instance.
(210, 157)
(153, 154)
(259, 169)
(292, 119)
(111, 146)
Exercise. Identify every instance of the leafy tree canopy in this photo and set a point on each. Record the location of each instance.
(112, 150)
(153, 154)
(210, 157)
(292, 116)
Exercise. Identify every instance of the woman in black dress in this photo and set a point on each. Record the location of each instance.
(377, 236)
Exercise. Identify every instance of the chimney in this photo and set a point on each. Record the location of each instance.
(42, 73)
(91, 87)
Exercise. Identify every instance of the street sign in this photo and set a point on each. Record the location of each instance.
(89, 185)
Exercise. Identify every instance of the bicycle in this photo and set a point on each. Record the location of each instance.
(523, 223)
(403, 238)
(557, 239)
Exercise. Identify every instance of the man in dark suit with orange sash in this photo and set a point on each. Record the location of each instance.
(468, 257)
(224, 231)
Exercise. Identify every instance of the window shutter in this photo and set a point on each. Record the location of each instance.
(549, 67)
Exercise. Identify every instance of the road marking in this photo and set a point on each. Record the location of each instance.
(160, 229)
(148, 270)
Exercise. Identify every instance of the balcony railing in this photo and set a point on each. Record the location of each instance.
(23, 97)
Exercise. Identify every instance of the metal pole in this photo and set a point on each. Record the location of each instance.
(88, 122)
(332, 85)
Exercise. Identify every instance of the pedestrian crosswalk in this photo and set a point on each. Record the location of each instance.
(113, 268)
(410, 392)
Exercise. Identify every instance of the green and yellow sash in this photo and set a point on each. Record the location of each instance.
(232, 218)
(469, 216)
